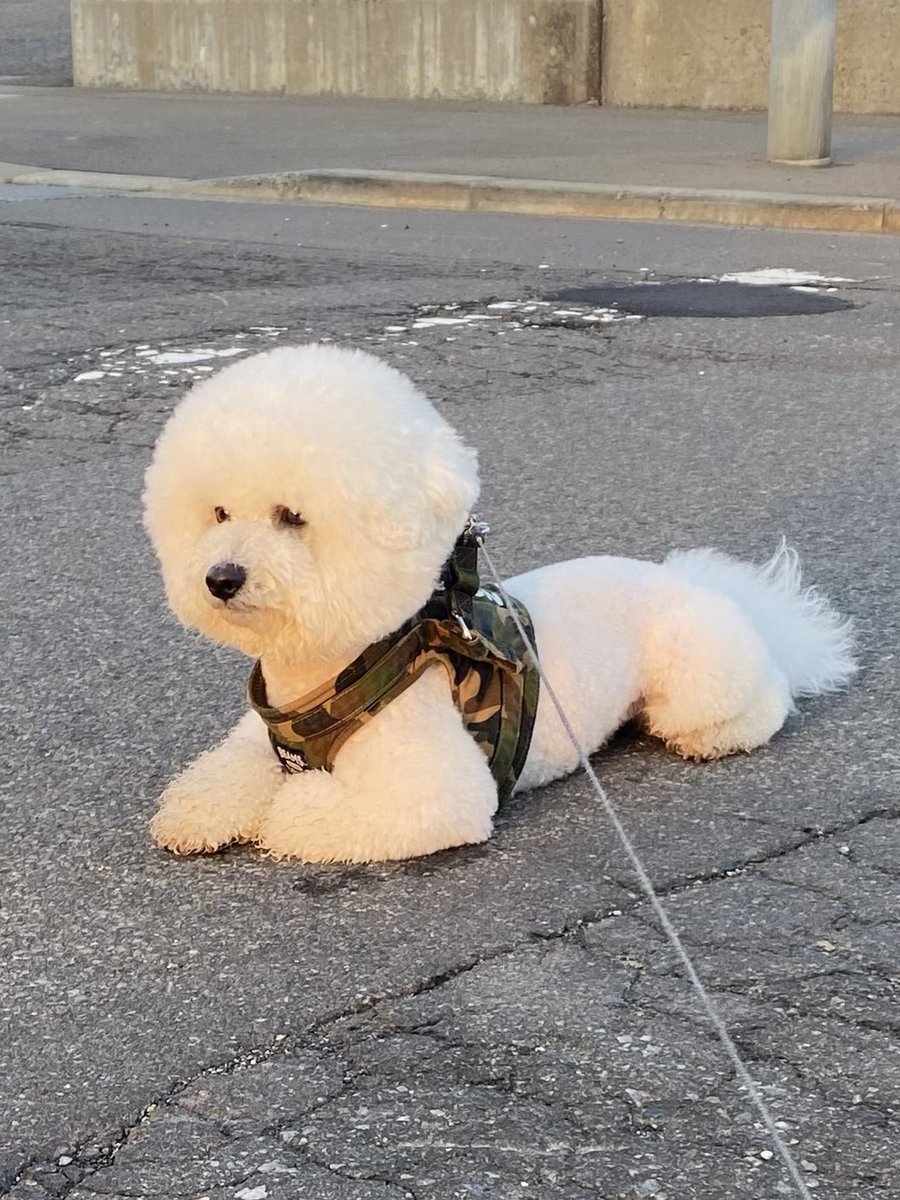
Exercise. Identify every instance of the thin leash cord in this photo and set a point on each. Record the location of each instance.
(662, 916)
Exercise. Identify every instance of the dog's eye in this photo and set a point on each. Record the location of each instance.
(221, 514)
(285, 516)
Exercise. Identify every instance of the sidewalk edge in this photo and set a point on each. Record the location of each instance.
(535, 197)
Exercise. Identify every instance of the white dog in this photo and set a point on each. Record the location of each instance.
(303, 504)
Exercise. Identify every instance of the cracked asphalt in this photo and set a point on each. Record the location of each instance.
(503, 1020)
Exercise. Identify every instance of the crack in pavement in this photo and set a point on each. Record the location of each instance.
(86, 1164)
(337, 1170)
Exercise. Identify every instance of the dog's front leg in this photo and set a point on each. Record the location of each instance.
(222, 795)
(410, 782)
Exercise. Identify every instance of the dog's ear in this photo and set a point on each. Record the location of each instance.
(435, 505)
(394, 525)
(451, 479)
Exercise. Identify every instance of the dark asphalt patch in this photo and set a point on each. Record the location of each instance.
(696, 298)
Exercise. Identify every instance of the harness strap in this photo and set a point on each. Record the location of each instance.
(459, 577)
(475, 638)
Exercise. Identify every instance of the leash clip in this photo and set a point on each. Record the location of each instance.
(475, 530)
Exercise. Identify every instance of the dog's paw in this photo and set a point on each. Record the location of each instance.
(754, 727)
(308, 821)
(314, 818)
(188, 823)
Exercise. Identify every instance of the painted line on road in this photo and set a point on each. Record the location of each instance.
(483, 194)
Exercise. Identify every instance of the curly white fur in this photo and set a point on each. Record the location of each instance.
(708, 651)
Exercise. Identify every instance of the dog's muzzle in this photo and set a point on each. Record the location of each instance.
(225, 580)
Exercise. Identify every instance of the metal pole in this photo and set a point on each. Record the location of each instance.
(801, 81)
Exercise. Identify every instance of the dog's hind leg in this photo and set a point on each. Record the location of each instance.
(710, 685)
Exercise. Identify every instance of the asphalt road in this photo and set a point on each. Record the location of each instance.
(502, 1020)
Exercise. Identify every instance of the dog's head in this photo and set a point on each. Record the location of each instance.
(303, 501)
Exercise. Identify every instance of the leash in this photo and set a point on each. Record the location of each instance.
(706, 1000)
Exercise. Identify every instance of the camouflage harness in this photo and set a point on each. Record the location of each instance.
(464, 626)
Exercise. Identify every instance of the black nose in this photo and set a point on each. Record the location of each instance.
(225, 580)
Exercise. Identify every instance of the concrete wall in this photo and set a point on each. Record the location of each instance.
(715, 54)
(35, 42)
(652, 53)
(543, 51)
(867, 67)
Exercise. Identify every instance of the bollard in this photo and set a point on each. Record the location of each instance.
(801, 81)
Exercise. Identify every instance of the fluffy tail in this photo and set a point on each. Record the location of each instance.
(810, 642)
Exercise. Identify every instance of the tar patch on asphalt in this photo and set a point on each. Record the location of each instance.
(699, 298)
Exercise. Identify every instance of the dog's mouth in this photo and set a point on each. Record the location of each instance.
(249, 614)
(239, 609)
(235, 605)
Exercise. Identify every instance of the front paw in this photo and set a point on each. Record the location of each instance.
(308, 821)
(192, 822)
(315, 819)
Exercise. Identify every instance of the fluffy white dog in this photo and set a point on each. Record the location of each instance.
(303, 503)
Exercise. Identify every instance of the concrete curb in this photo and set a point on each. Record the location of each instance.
(20, 173)
(535, 197)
